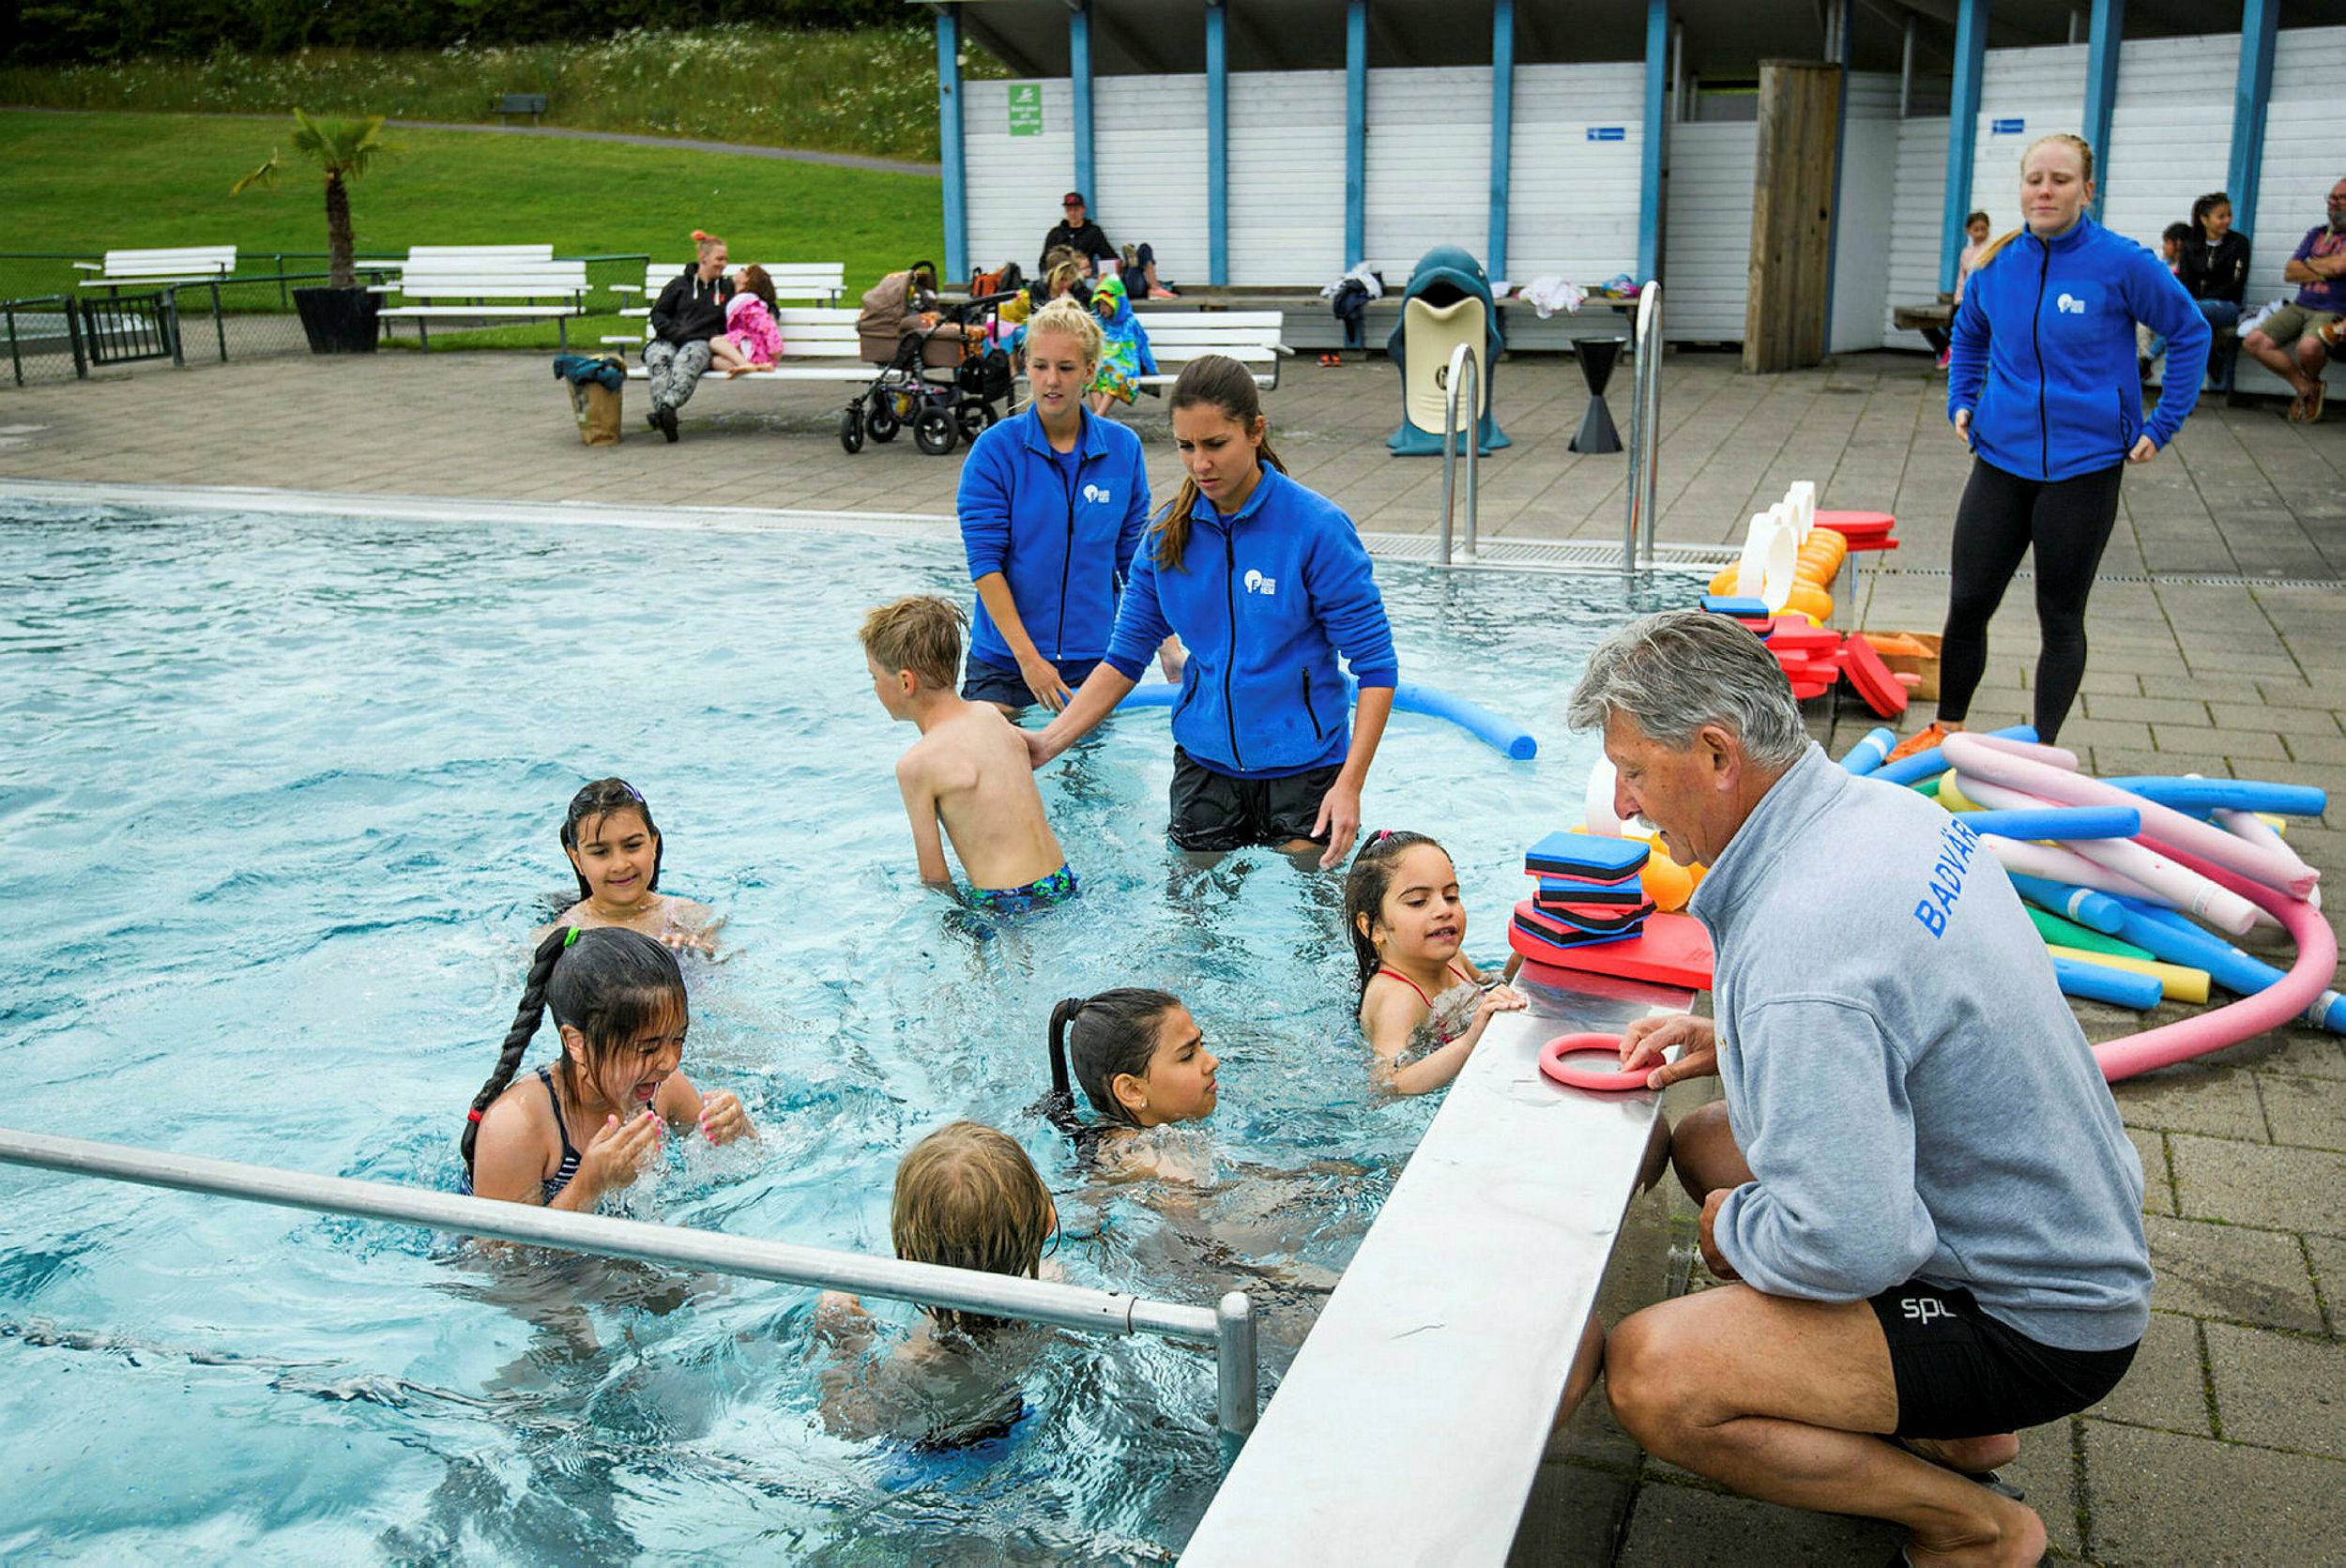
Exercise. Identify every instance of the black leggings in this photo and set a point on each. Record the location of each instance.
(2001, 514)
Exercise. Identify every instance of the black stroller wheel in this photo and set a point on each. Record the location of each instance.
(934, 432)
(972, 419)
(851, 428)
(880, 422)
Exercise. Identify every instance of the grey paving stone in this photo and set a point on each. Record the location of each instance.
(2192, 1098)
(2231, 1271)
(1572, 1516)
(2278, 1390)
(2245, 1184)
(1672, 1526)
(2317, 746)
(2162, 711)
(2158, 1192)
(2158, 1498)
(2238, 744)
(2165, 1386)
(2307, 1112)
(2293, 721)
(2328, 1257)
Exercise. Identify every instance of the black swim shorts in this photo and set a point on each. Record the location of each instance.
(1962, 1374)
(982, 682)
(1213, 811)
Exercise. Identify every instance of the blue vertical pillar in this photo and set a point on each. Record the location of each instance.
(2258, 20)
(1355, 132)
(1657, 66)
(1502, 127)
(1971, 59)
(948, 140)
(1218, 147)
(2101, 89)
(1079, 78)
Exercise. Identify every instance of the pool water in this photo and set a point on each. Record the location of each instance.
(280, 818)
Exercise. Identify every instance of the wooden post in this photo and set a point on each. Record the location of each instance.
(1791, 215)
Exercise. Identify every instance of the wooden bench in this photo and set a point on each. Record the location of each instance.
(497, 282)
(1249, 337)
(1913, 318)
(816, 282)
(192, 263)
(531, 104)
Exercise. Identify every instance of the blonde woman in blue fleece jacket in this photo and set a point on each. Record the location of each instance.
(2044, 388)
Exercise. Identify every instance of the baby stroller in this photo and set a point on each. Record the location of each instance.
(944, 381)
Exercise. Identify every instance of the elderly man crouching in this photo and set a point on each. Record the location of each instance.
(1917, 1180)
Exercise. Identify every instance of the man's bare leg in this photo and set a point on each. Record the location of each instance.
(1782, 1400)
(2274, 358)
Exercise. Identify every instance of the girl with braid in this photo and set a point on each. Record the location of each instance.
(588, 1123)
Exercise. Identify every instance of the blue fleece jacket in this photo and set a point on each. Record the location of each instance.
(1264, 601)
(1912, 1092)
(2044, 353)
(1063, 540)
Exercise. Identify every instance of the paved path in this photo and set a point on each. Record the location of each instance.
(2215, 649)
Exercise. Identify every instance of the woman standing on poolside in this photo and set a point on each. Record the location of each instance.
(1265, 583)
(2045, 390)
(1052, 505)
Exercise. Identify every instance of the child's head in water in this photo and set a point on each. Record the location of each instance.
(613, 845)
(1401, 904)
(618, 999)
(1139, 1056)
(967, 1198)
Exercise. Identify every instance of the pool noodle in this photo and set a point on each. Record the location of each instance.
(1922, 765)
(2061, 933)
(2095, 983)
(2050, 772)
(1410, 696)
(2057, 822)
(2177, 941)
(2178, 983)
(2257, 828)
(2185, 794)
(2085, 905)
(1870, 753)
(2056, 864)
(2166, 881)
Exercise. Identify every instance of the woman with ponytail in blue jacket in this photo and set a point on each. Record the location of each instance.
(1265, 583)
(2043, 386)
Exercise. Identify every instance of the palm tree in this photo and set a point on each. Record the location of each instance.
(344, 149)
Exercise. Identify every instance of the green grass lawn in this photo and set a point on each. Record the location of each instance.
(88, 183)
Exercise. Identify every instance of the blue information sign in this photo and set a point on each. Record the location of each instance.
(1608, 133)
(2006, 127)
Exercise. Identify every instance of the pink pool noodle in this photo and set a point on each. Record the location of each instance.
(2056, 864)
(2049, 771)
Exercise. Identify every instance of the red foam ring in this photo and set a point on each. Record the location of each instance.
(1554, 1063)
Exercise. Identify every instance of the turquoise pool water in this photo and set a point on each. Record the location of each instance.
(278, 817)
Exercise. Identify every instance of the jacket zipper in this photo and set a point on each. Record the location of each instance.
(1230, 598)
(1067, 559)
(2035, 328)
(1309, 712)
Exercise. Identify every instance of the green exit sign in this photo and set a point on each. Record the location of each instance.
(1026, 108)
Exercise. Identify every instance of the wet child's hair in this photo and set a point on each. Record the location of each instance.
(601, 800)
(967, 1198)
(609, 983)
(754, 280)
(921, 633)
(1106, 1035)
(1364, 889)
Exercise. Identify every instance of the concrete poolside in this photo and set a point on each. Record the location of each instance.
(2215, 649)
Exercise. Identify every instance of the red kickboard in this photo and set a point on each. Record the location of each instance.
(1872, 678)
(1570, 925)
(1803, 690)
(1794, 635)
(1850, 524)
(1671, 950)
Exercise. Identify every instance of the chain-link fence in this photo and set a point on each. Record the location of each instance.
(58, 322)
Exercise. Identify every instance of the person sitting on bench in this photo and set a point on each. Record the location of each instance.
(689, 313)
(1917, 1183)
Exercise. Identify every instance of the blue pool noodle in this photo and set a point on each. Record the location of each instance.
(1411, 697)
(2175, 940)
(1922, 765)
(2247, 794)
(1870, 752)
(2059, 822)
(2086, 906)
(2099, 982)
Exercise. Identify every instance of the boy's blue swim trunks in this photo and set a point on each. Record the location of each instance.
(1057, 888)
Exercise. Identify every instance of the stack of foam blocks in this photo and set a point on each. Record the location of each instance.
(1589, 892)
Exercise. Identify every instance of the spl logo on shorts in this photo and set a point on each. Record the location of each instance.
(2070, 304)
(1257, 583)
(1924, 1309)
(1094, 493)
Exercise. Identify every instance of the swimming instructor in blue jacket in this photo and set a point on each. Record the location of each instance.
(1265, 583)
(1052, 505)
(2043, 386)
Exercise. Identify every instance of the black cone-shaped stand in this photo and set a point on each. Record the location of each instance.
(1597, 356)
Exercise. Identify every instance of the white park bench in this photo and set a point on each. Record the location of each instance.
(1249, 337)
(817, 283)
(818, 343)
(483, 283)
(192, 263)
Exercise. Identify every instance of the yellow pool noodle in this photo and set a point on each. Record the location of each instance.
(2178, 983)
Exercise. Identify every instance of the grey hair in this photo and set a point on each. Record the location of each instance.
(1681, 669)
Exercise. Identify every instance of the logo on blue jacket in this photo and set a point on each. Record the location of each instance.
(1094, 493)
(1257, 583)
(2070, 304)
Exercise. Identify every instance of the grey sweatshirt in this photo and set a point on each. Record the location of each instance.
(1903, 1075)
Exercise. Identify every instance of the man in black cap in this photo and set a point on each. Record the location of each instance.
(1077, 234)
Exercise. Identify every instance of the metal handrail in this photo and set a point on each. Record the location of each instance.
(1228, 1325)
(1465, 367)
(1645, 428)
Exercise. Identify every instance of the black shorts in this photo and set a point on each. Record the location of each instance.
(1962, 1374)
(1213, 811)
(982, 682)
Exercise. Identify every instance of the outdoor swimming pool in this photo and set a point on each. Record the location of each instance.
(280, 818)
